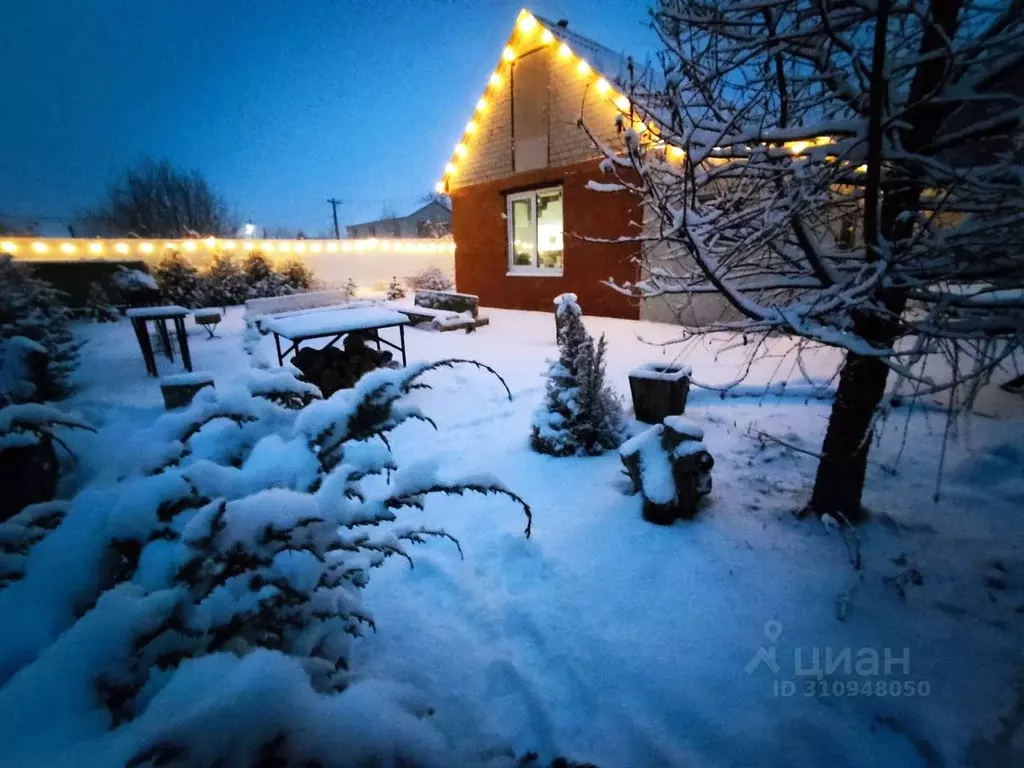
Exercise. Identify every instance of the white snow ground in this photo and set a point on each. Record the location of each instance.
(606, 639)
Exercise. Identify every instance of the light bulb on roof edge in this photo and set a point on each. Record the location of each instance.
(495, 80)
(564, 51)
(460, 150)
(481, 105)
(602, 86)
(547, 37)
(439, 187)
(527, 24)
(449, 169)
(622, 103)
(470, 127)
(508, 54)
(583, 68)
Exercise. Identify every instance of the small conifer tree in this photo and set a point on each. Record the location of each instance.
(395, 290)
(580, 416)
(178, 280)
(224, 281)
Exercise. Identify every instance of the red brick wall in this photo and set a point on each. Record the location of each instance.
(481, 243)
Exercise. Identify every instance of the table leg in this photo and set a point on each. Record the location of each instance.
(277, 343)
(142, 334)
(165, 338)
(186, 357)
(401, 336)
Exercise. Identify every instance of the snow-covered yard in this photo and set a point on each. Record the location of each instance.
(605, 639)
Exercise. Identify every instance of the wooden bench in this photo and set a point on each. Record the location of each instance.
(444, 310)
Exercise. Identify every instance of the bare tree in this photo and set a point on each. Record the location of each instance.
(846, 173)
(155, 199)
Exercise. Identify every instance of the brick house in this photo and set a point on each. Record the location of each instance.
(518, 178)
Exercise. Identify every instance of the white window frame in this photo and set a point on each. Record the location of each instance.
(518, 270)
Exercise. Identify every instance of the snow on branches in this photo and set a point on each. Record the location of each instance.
(848, 174)
(250, 529)
(580, 414)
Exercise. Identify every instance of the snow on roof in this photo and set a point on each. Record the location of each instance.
(614, 67)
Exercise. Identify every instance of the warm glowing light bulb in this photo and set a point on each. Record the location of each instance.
(300, 247)
(449, 169)
(675, 153)
(95, 248)
(146, 247)
(527, 24)
(229, 245)
(250, 245)
(332, 247)
(796, 147)
(481, 105)
(546, 37)
(640, 127)
(284, 247)
(582, 68)
(622, 103)
(8, 246)
(189, 245)
(470, 127)
(67, 248)
(211, 242)
(460, 150)
(268, 246)
(564, 51)
(439, 187)
(602, 86)
(495, 80)
(316, 247)
(40, 247)
(862, 169)
(508, 54)
(123, 247)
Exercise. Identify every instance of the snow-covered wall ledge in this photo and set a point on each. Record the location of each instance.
(334, 262)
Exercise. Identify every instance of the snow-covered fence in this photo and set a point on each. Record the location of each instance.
(366, 261)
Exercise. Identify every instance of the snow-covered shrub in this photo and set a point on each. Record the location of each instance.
(22, 531)
(296, 275)
(224, 282)
(580, 414)
(133, 280)
(98, 306)
(395, 290)
(178, 280)
(432, 279)
(32, 309)
(350, 288)
(260, 277)
(242, 541)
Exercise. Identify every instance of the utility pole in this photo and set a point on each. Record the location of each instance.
(334, 210)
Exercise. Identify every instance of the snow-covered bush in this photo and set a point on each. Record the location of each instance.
(235, 554)
(580, 414)
(350, 288)
(32, 309)
(224, 282)
(432, 279)
(297, 276)
(178, 280)
(395, 290)
(98, 306)
(260, 277)
(134, 288)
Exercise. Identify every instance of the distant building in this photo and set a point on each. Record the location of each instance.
(432, 220)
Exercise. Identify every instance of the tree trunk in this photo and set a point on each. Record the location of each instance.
(844, 455)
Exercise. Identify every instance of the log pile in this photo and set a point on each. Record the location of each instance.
(331, 369)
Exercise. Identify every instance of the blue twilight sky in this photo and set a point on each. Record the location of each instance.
(280, 103)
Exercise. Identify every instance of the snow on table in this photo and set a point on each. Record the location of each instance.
(150, 313)
(661, 371)
(340, 321)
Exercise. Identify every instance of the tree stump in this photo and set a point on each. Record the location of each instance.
(659, 390)
(179, 389)
(669, 465)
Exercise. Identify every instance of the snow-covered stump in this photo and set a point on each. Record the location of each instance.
(179, 389)
(670, 467)
(659, 390)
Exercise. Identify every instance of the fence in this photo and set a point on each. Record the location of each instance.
(368, 262)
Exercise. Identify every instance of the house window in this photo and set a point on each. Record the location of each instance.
(535, 232)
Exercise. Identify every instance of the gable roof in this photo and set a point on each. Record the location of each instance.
(408, 216)
(610, 72)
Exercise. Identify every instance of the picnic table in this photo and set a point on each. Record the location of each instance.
(336, 324)
(159, 316)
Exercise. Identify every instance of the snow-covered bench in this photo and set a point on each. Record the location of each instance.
(296, 301)
(445, 310)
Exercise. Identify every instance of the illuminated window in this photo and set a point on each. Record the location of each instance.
(535, 225)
